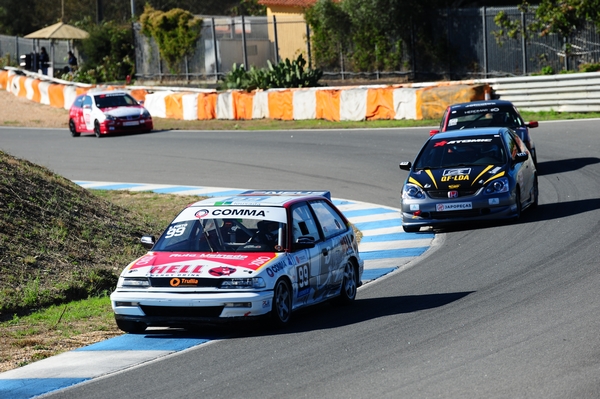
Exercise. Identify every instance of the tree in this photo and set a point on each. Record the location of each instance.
(176, 32)
(562, 17)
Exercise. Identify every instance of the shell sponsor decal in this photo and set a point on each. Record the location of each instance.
(190, 264)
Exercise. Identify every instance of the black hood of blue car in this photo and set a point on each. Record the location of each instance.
(470, 177)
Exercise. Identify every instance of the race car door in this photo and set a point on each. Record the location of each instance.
(87, 113)
(308, 261)
(331, 268)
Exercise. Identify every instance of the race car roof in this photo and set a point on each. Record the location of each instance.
(262, 198)
(481, 104)
(457, 134)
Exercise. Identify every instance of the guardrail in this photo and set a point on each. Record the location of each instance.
(575, 92)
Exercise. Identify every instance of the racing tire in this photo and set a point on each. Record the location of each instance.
(411, 229)
(97, 129)
(131, 327)
(73, 128)
(349, 285)
(281, 312)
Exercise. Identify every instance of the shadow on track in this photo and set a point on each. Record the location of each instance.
(564, 165)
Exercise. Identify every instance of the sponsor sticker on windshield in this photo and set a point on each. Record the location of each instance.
(459, 206)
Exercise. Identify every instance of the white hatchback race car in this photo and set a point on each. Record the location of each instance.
(259, 253)
(108, 112)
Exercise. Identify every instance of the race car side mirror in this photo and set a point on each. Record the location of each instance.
(405, 165)
(521, 157)
(433, 132)
(304, 242)
(147, 241)
(532, 124)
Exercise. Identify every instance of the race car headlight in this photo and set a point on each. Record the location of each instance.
(133, 282)
(497, 186)
(110, 118)
(412, 191)
(243, 283)
(145, 113)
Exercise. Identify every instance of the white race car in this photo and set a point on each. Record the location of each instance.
(259, 253)
(106, 112)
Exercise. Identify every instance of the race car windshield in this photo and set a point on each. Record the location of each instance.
(484, 117)
(467, 151)
(223, 235)
(110, 101)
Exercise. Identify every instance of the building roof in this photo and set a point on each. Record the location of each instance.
(288, 3)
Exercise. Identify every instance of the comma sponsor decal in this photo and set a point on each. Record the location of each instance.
(201, 213)
(276, 268)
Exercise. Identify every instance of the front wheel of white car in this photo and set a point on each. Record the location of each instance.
(281, 312)
(349, 285)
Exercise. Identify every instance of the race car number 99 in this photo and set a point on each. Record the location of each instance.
(176, 231)
(303, 276)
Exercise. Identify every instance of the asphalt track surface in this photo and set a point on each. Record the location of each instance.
(494, 311)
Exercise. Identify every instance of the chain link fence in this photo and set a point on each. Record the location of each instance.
(17, 51)
(466, 35)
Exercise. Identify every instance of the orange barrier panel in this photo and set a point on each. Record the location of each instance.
(281, 105)
(139, 94)
(380, 104)
(242, 104)
(56, 95)
(433, 101)
(81, 90)
(207, 106)
(328, 105)
(37, 95)
(3, 79)
(22, 88)
(174, 106)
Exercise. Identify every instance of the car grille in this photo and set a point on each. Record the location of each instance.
(459, 214)
(188, 311)
(191, 282)
(444, 193)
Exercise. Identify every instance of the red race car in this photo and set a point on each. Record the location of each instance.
(106, 112)
(488, 113)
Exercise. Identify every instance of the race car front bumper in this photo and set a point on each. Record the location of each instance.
(173, 309)
(438, 212)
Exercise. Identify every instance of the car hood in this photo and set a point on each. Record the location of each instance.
(121, 112)
(464, 177)
(200, 264)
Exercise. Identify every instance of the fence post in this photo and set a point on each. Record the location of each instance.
(187, 70)
(523, 44)
(308, 45)
(485, 38)
(342, 60)
(214, 36)
(276, 40)
(244, 44)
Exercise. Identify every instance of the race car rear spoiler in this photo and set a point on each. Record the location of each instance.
(287, 193)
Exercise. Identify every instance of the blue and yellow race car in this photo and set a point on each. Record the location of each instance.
(468, 175)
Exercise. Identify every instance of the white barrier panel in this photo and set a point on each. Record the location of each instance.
(44, 96)
(260, 105)
(155, 103)
(353, 104)
(405, 103)
(304, 104)
(225, 106)
(190, 107)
